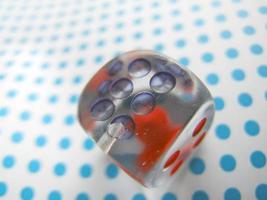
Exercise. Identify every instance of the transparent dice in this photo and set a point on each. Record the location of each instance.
(147, 113)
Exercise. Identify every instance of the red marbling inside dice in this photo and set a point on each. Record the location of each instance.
(156, 131)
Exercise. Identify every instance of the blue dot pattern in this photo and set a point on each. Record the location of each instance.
(200, 195)
(27, 193)
(49, 51)
(228, 163)
(258, 159)
(261, 191)
(112, 171)
(197, 166)
(232, 194)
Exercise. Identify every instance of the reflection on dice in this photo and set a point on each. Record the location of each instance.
(147, 113)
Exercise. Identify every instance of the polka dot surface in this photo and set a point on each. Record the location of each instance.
(3, 189)
(197, 166)
(258, 159)
(200, 195)
(49, 51)
(223, 131)
(232, 194)
(228, 163)
(261, 191)
(252, 127)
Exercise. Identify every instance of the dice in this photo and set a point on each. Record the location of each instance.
(147, 113)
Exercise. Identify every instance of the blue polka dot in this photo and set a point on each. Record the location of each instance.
(62, 65)
(110, 197)
(40, 141)
(199, 22)
(8, 161)
(112, 171)
(88, 144)
(82, 196)
(47, 119)
(178, 27)
(215, 3)
(2, 76)
(262, 71)
(3, 189)
(98, 59)
(53, 99)
(69, 120)
(238, 75)
(54, 195)
(3, 111)
(169, 196)
(207, 57)
(137, 21)
(228, 163)
(212, 79)
(25, 115)
(225, 34)
(232, 194)
(85, 171)
(203, 39)
(223, 131)
(117, 40)
(17, 137)
(19, 78)
(261, 192)
(80, 62)
(245, 99)
(180, 43)
(137, 35)
(200, 195)
(219, 103)
(258, 159)
(157, 31)
(58, 81)
(34, 166)
(77, 80)
(27, 193)
(220, 18)
(242, 13)
(100, 43)
(249, 30)
(39, 80)
(159, 47)
(12, 93)
(59, 169)
(73, 99)
(32, 97)
(139, 196)
(184, 61)
(232, 53)
(252, 127)
(64, 143)
(263, 10)
(197, 166)
(256, 49)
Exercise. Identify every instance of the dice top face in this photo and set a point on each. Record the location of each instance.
(147, 113)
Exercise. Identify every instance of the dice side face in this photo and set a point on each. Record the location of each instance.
(191, 137)
(140, 108)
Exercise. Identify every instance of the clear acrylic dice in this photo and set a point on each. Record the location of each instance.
(147, 113)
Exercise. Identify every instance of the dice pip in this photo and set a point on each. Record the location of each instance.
(147, 113)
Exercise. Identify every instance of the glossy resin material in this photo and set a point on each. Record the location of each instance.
(147, 113)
